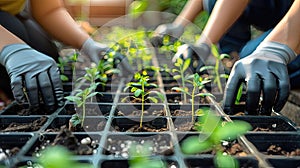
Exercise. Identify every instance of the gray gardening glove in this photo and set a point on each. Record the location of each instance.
(198, 53)
(173, 30)
(264, 71)
(34, 72)
(97, 51)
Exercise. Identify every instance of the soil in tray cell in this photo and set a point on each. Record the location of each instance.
(119, 145)
(122, 163)
(92, 109)
(22, 124)
(79, 144)
(11, 144)
(90, 124)
(25, 110)
(135, 110)
(177, 98)
(120, 124)
(284, 144)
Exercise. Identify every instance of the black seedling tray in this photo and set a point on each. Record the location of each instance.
(164, 125)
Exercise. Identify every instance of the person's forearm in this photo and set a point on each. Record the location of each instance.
(54, 18)
(287, 31)
(189, 12)
(224, 14)
(7, 38)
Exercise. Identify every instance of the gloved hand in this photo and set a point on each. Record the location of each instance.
(198, 53)
(173, 30)
(97, 51)
(35, 72)
(265, 70)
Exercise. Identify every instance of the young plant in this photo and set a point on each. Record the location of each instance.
(62, 63)
(80, 99)
(216, 76)
(139, 157)
(215, 133)
(141, 93)
(239, 95)
(106, 69)
(180, 68)
(198, 84)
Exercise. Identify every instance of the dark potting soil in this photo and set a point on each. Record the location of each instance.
(186, 126)
(25, 127)
(144, 128)
(146, 113)
(86, 128)
(67, 139)
(277, 150)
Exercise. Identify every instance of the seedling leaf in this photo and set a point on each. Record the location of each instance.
(194, 144)
(231, 130)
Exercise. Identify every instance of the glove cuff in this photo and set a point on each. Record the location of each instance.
(282, 50)
(11, 49)
(86, 45)
(202, 50)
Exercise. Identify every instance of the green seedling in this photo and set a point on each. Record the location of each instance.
(239, 95)
(80, 99)
(153, 69)
(180, 68)
(215, 133)
(141, 93)
(169, 46)
(133, 44)
(106, 69)
(216, 76)
(139, 157)
(61, 65)
(167, 70)
(137, 8)
(198, 84)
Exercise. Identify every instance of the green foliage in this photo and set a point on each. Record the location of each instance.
(198, 83)
(215, 131)
(139, 91)
(181, 66)
(62, 63)
(239, 95)
(100, 73)
(136, 8)
(59, 157)
(132, 43)
(139, 157)
(80, 98)
(216, 76)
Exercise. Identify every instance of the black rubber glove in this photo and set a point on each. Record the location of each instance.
(34, 72)
(264, 71)
(97, 51)
(198, 53)
(173, 30)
